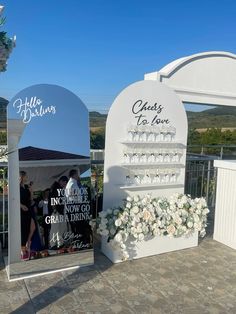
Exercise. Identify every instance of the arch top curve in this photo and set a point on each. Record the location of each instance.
(177, 64)
(205, 78)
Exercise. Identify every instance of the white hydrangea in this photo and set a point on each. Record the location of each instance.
(140, 217)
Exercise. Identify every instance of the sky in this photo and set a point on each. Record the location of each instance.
(96, 48)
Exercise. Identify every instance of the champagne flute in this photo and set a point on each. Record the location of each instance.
(162, 133)
(151, 157)
(157, 133)
(179, 154)
(172, 132)
(173, 176)
(157, 178)
(151, 137)
(143, 158)
(167, 157)
(168, 134)
(130, 133)
(128, 180)
(137, 179)
(161, 155)
(126, 158)
(143, 134)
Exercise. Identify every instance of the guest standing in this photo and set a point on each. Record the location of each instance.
(27, 222)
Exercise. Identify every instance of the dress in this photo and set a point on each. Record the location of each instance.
(25, 199)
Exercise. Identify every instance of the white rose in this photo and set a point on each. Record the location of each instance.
(171, 229)
(129, 199)
(139, 227)
(199, 206)
(141, 237)
(205, 211)
(134, 210)
(132, 230)
(112, 231)
(116, 211)
(104, 221)
(190, 224)
(136, 199)
(125, 236)
(123, 246)
(105, 232)
(118, 237)
(146, 215)
(118, 222)
(202, 233)
(155, 232)
(102, 214)
(144, 201)
(191, 209)
(125, 255)
(197, 226)
(178, 220)
(128, 205)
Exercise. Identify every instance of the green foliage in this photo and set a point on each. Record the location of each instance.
(2, 21)
(3, 138)
(97, 139)
(212, 136)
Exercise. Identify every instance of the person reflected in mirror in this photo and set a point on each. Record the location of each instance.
(57, 229)
(80, 228)
(27, 222)
(72, 191)
(43, 204)
(36, 241)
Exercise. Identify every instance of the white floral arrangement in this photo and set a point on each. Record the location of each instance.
(145, 217)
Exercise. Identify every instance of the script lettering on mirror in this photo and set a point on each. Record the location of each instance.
(139, 109)
(32, 108)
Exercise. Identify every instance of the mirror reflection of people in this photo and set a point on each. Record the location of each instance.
(71, 187)
(57, 229)
(43, 204)
(79, 227)
(73, 181)
(27, 222)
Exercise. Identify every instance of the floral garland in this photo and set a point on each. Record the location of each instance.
(142, 217)
(6, 46)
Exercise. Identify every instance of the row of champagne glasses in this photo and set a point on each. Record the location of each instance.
(145, 177)
(152, 156)
(162, 133)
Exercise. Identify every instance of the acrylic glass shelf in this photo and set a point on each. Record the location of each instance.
(160, 144)
(153, 165)
(152, 186)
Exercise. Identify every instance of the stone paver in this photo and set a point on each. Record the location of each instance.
(200, 280)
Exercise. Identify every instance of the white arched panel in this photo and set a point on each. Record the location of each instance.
(205, 78)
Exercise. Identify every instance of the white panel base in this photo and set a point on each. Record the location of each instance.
(152, 246)
(225, 213)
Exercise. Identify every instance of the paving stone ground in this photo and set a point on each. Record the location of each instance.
(194, 281)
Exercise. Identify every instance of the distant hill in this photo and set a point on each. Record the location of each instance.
(97, 120)
(219, 117)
